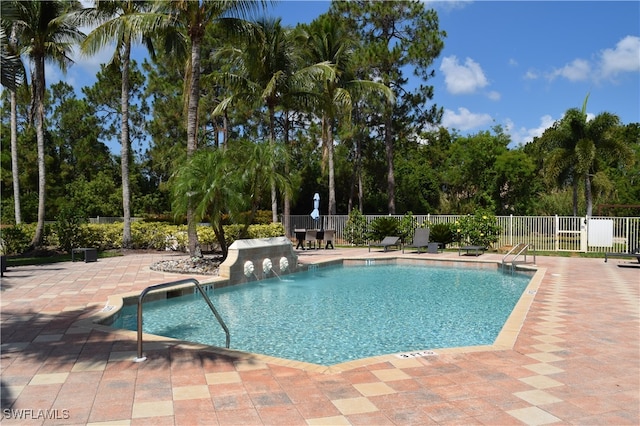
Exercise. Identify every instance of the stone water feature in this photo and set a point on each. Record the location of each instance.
(258, 259)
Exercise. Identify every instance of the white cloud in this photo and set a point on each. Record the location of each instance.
(494, 96)
(578, 70)
(448, 5)
(522, 135)
(531, 75)
(625, 57)
(464, 119)
(462, 79)
(91, 64)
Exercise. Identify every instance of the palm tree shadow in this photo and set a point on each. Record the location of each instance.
(58, 339)
(6, 399)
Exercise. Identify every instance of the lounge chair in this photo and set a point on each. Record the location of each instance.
(420, 240)
(633, 253)
(386, 243)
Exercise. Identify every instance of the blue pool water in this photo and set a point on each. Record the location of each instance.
(337, 314)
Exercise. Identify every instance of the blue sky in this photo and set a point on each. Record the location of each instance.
(518, 64)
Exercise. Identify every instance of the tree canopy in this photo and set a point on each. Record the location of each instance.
(318, 108)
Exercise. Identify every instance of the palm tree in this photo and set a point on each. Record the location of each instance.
(329, 42)
(48, 32)
(124, 22)
(185, 23)
(12, 77)
(12, 73)
(205, 185)
(579, 147)
(213, 184)
(269, 72)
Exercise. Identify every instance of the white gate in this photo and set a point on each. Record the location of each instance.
(571, 233)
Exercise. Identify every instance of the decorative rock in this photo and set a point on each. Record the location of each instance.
(189, 265)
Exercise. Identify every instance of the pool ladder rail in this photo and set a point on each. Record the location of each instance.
(518, 255)
(149, 289)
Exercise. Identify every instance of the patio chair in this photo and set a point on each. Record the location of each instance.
(329, 235)
(300, 234)
(420, 240)
(310, 237)
(632, 253)
(386, 243)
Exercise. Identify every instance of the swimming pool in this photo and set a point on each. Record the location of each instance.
(337, 314)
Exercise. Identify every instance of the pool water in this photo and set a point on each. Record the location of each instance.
(338, 314)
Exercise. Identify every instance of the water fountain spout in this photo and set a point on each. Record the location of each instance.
(267, 267)
(284, 264)
(249, 269)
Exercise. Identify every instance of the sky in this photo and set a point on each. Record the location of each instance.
(517, 64)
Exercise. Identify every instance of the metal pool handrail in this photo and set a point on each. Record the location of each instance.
(523, 248)
(171, 284)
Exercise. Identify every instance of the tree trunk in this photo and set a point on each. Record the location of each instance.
(355, 177)
(14, 159)
(332, 181)
(588, 195)
(575, 198)
(286, 208)
(192, 126)
(391, 180)
(272, 142)
(39, 83)
(125, 148)
(360, 192)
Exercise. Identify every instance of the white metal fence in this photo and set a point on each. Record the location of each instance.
(108, 219)
(545, 233)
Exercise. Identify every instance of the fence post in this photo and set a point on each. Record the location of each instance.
(557, 234)
(584, 232)
(511, 230)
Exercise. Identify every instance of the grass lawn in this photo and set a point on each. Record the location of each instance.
(50, 257)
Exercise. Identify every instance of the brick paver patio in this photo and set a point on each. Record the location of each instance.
(576, 360)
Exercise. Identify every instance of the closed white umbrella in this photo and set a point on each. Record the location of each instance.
(315, 214)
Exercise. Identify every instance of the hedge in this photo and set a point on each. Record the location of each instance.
(144, 235)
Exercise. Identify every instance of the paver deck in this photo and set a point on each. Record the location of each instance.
(576, 360)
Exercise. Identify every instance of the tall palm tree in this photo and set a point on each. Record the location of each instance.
(328, 41)
(48, 32)
(268, 72)
(12, 77)
(579, 148)
(12, 73)
(262, 73)
(185, 23)
(125, 22)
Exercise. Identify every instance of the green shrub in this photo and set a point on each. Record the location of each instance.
(263, 217)
(68, 228)
(355, 230)
(441, 233)
(14, 239)
(382, 227)
(480, 229)
(232, 232)
(145, 235)
(406, 227)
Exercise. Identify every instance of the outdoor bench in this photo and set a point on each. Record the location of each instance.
(475, 249)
